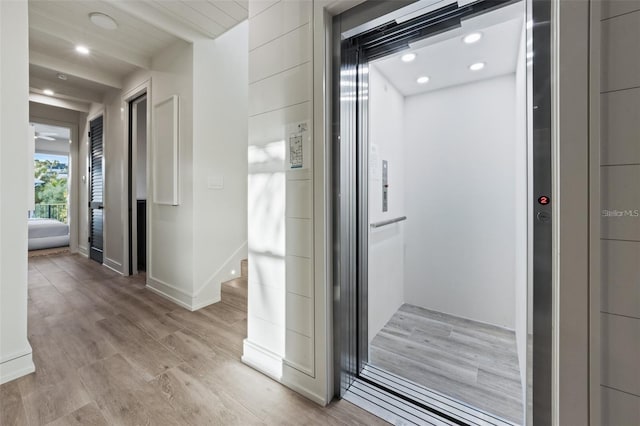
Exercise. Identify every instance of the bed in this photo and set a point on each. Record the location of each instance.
(47, 233)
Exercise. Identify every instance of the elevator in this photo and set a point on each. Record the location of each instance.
(442, 218)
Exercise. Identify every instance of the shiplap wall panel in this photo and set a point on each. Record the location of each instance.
(290, 87)
(282, 53)
(620, 248)
(299, 198)
(620, 275)
(300, 275)
(270, 127)
(621, 353)
(621, 127)
(620, 198)
(619, 408)
(611, 8)
(621, 52)
(280, 96)
(278, 20)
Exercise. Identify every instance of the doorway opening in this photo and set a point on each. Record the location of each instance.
(50, 215)
(442, 251)
(138, 184)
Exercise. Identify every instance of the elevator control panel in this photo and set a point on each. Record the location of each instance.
(385, 186)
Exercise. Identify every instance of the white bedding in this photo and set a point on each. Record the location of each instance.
(40, 228)
(47, 233)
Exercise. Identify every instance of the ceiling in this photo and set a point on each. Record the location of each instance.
(145, 27)
(52, 139)
(445, 58)
(56, 132)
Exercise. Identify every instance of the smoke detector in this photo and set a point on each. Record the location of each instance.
(103, 21)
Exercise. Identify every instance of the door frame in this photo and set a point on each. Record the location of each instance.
(74, 207)
(132, 216)
(347, 321)
(129, 219)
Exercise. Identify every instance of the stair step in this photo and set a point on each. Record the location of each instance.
(234, 293)
(244, 268)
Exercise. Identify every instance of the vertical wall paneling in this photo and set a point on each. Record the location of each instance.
(619, 35)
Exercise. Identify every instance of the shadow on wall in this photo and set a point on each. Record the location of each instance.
(266, 246)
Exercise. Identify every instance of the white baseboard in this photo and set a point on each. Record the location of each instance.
(262, 360)
(84, 251)
(293, 380)
(113, 265)
(178, 296)
(169, 292)
(16, 367)
(273, 366)
(196, 304)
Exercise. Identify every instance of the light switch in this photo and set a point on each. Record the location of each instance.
(215, 182)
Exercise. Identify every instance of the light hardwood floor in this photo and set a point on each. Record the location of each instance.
(473, 362)
(109, 352)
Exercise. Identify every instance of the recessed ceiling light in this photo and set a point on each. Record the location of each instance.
(423, 80)
(48, 92)
(472, 38)
(408, 57)
(103, 21)
(477, 66)
(82, 49)
(529, 55)
(62, 76)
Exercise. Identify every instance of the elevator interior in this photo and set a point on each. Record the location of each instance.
(448, 185)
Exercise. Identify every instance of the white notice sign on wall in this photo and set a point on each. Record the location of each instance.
(298, 134)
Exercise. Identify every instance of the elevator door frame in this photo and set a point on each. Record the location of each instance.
(350, 194)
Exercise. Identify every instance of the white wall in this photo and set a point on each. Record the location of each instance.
(170, 237)
(194, 246)
(386, 245)
(171, 233)
(115, 185)
(220, 80)
(461, 172)
(15, 351)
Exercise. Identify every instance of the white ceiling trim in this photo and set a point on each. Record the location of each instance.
(65, 91)
(60, 103)
(87, 73)
(158, 19)
(64, 32)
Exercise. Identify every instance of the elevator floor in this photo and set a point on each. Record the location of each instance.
(473, 362)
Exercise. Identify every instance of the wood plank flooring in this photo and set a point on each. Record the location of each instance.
(473, 362)
(109, 352)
